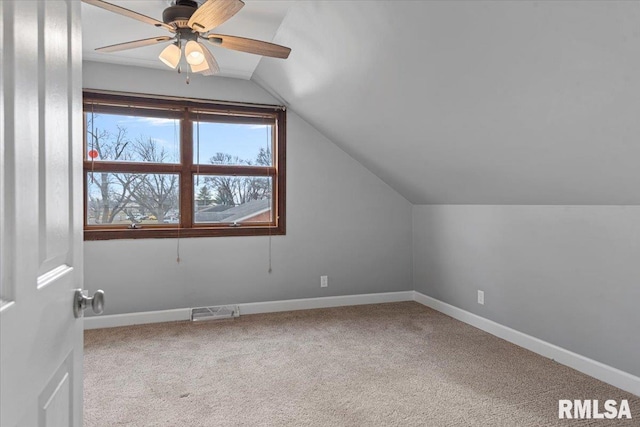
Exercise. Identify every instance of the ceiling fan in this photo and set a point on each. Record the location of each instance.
(190, 22)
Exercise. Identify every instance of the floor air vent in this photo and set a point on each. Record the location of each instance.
(214, 313)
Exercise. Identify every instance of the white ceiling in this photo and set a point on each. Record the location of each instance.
(258, 19)
(473, 102)
(492, 102)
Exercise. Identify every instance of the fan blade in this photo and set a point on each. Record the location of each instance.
(249, 45)
(129, 13)
(213, 13)
(210, 66)
(134, 44)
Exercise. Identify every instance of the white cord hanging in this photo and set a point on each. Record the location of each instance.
(272, 210)
(198, 148)
(176, 156)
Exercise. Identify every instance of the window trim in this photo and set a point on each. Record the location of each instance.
(186, 107)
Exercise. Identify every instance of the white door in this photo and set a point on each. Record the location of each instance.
(40, 213)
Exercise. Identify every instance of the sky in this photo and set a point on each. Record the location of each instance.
(243, 140)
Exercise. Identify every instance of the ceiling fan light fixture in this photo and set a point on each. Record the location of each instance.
(189, 21)
(170, 55)
(203, 68)
(194, 54)
(199, 68)
(209, 66)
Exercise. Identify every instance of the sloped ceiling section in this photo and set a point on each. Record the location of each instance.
(473, 102)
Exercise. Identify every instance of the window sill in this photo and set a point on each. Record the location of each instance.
(172, 233)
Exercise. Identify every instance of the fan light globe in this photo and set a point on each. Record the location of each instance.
(194, 53)
(200, 68)
(170, 55)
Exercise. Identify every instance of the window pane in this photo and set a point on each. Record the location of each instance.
(121, 138)
(123, 198)
(229, 199)
(232, 144)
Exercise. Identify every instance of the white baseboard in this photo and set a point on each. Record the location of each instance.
(608, 374)
(324, 302)
(114, 320)
(128, 319)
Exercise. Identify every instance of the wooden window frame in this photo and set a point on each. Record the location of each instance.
(185, 110)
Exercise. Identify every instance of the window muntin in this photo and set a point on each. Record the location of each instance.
(151, 158)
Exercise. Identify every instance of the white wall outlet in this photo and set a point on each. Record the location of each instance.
(481, 297)
(324, 281)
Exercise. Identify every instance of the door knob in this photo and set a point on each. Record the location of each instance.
(81, 301)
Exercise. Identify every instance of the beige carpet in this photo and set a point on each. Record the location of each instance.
(398, 364)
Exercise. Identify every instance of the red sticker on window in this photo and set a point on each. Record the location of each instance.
(93, 154)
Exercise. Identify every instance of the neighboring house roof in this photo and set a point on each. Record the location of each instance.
(234, 213)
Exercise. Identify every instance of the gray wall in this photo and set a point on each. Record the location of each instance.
(342, 221)
(568, 275)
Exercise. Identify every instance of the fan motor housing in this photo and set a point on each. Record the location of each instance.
(182, 11)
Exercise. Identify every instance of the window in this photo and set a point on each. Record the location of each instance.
(165, 167)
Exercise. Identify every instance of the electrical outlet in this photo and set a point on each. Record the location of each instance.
(324, 281)
(481, 297)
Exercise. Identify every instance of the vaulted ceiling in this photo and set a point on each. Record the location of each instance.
(465, 102)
